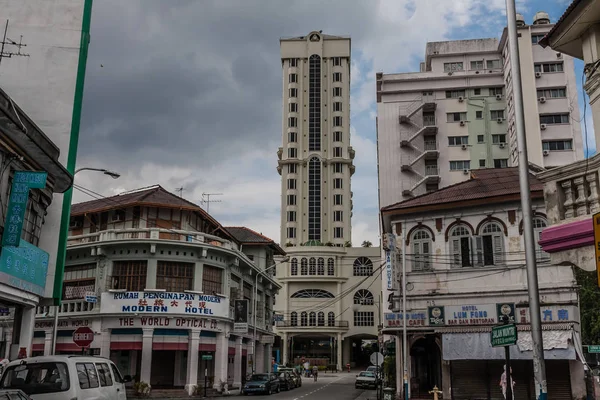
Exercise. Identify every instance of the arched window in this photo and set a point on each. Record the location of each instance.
(489, 247)
(321, 318)
(363, 266)
(539, 224)
(294, 318)
(330, 318)
(363, 297)
(303, 318)
(312, 319)
(321, 266)
(330, 267)
(460, 246)
(294, 267)
(314, 103)
(312, 266)
(304, 266)
(314, 199)
(421, 241)
(312, 294)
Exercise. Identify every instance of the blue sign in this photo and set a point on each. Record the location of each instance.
(17, 204)
(91, 297)
(24, 267)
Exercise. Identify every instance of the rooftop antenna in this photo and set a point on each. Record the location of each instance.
(206, 199)
(180, 190)
(6, 41)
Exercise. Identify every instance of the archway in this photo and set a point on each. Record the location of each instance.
(426, 366)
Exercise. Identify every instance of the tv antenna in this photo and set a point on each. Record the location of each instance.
(206, 199)
(180, 190)
(6, 41)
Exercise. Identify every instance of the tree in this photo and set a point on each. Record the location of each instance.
(366, 243)
(589, 298)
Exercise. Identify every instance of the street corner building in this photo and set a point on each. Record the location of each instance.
(30, 174)
(465, 270)
(155, 277)
(329, 301)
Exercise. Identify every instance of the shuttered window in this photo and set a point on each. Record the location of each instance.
(460, 246)
(422, 250)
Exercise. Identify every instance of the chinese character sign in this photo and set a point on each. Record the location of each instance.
(17, 204)
(24, 267)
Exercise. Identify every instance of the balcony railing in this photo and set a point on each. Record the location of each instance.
(432, 170)
(430, 145)
(428, 120)
(332, 324)
(68, 307)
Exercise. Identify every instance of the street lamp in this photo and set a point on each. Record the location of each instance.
(254, 307)
(113, 175)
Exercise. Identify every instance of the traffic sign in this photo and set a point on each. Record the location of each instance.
(596, 224)
(83, 336)
(376, 358)
(593, 348)
(504, 335)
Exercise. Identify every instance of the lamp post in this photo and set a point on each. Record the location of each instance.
(254, 308)
(113, 175)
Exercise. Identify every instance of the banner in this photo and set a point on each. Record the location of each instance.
(240, 316)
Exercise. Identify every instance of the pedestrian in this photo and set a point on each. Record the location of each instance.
(503, 383)
(315, 371)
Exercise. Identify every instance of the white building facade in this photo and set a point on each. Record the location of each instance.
(317, 317)
(456, 114)
(465, 270)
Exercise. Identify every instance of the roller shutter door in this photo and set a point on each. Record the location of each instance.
(558, 377)
(469, 380)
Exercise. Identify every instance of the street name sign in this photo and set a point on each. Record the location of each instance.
(504, 335)
(594, 348)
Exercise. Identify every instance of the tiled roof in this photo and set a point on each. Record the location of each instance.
(544, 41)
(483, 184)
(248, 236)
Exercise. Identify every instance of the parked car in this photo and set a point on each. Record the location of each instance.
(297, 378)
(65, 377)
(366, 379)
(13, 394)
(286, 382)
(377, 371)
(262, 383)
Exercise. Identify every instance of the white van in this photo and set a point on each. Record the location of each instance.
(65, 378)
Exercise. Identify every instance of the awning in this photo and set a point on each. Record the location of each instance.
(558, 345)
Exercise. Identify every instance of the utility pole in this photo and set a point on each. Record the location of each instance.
(404, 339)
(539, 366)
(206, 199)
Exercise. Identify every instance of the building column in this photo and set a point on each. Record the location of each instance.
(268, 358)
(284, 349)
(27, 325)
(198, 272)
(151, 273)
(221, 359)
(259, 359)
(8, 340)
(48, 343)
(446, 379)
(237, 363)
(146, 369)
(191, 378)
(338, 355)
(105, 343)
(590, 44)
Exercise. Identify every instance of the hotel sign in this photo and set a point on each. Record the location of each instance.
(471, 314)
(413, 319)
(165, 303)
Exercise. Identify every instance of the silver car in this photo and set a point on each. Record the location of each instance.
(366, 379)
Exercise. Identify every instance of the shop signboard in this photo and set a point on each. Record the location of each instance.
(164, 304)
(389, 270)
(471, 314)
(506, 310)
(549, 314)
(23, 181)
(24, 267)
(413, 319)
(436, 316)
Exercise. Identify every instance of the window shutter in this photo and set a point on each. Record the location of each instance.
(478, 253)
(426, 259)
(418, 265)
(498, 250)
(456, 252)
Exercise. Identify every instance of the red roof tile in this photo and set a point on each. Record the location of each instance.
(483, 184)
(248, 236)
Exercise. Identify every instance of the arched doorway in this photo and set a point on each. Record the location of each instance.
(426, 366)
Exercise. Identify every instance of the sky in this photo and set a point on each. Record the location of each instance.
(188, 93)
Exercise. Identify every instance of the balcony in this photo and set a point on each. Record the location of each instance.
(432, 170)
(337, 325)
(572, 197)
(430, 145)
(68, 307)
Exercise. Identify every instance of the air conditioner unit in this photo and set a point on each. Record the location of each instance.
(463, 146)
(498, 97)
(461, 99)
(543, 126)
(546, 152)
(462, 123)
(538, 74)
(502, 145)
(500, 120)
(466, 171)
(542, 99)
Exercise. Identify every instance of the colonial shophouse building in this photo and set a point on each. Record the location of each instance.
(155, 276)
(465, 265)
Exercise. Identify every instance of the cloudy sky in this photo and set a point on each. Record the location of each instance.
(188, 93)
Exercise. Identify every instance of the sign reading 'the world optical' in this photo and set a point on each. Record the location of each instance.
(164, 303)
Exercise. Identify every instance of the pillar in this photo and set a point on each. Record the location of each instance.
(146, 369)
(198, 271)
(399, 372)
(8, 339)
(259, 359)
(578, 383)
(237, 364)
(446, 379)
(27, 325)
(221, 359)
(191, 377)
(105, 343)
(268, 357)
(151, 273)
(48, 343)
(284, 349)
(338, 350)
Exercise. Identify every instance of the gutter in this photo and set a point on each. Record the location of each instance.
(72, 156)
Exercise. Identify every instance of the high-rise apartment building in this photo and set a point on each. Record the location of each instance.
(457, 113)
(330, 290)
